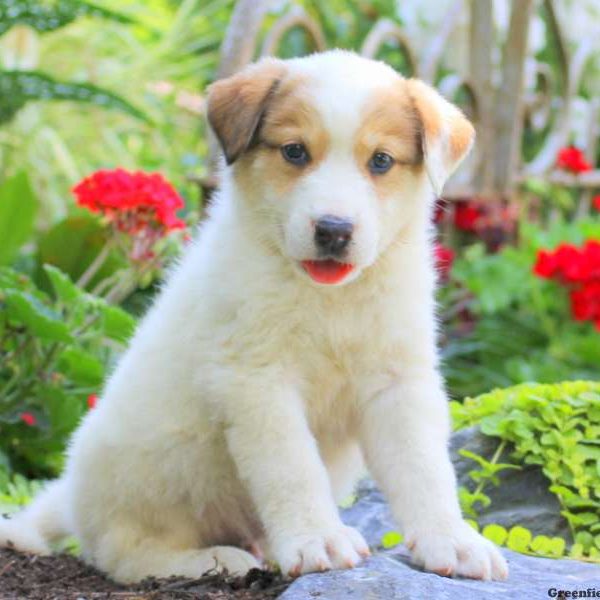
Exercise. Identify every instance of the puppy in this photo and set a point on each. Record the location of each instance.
(295, 338)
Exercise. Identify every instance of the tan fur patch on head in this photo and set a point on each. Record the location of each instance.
(390, 125)
(289, 119)
(237, 104)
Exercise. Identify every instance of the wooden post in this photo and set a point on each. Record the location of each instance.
(509, 100)
(481, 32)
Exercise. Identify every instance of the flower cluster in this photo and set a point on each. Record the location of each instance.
(468, 215)
(444, 258)
(596, 202)
(572, 159)
(134, 202)
(579, 270)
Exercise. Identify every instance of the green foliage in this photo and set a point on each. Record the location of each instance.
(48, 15)
(556, 427)
(18, 208)
(501, 294)
(19, 87)
(72, 245)
(16, 492)
(54, 350)
(391, 539)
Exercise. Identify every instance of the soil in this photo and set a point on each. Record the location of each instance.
(64, 577)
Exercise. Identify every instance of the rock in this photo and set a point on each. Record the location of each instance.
(522, 498)
(389, 576)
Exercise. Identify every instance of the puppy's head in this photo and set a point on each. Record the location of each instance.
(336, 156)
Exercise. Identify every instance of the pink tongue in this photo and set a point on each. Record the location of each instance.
(327, 271)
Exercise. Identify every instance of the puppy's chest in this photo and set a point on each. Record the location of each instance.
(342, 363)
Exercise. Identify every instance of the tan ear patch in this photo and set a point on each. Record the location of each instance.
(237, 104)
(462, 134)
(448, 134)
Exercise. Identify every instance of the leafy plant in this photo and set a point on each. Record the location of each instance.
(54, 354)
(492, 294)
(556, 427)
(19, 87)
(50, 15)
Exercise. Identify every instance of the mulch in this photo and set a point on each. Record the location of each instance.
(64, 577)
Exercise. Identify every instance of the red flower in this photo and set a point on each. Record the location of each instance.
(596, 202)
(585, 302)
(92, 400)
(134, 202)
(444, 258)
(467, 215)
(572, 159)
(579, 270)
(546, 264)
(28, 419)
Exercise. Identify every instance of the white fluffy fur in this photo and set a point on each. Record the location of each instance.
(249, 395)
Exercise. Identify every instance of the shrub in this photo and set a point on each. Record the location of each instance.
(556, 427)
(55, 350)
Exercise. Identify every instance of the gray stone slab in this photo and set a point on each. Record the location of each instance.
(389, 576)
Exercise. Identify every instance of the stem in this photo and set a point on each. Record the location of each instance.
(494, 460)
(95, 265)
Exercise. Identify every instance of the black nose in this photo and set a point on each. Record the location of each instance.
(333, 234)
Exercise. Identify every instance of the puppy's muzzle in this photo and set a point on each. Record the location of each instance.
(332, 235)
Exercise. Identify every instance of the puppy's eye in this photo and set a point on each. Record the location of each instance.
(297, 154)
(380, 163)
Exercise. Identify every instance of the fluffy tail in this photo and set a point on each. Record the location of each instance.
(40, 523)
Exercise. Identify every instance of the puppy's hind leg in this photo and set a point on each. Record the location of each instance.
(128, 559)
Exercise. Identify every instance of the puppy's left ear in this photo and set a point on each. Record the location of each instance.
(236, 105)
(446, 134)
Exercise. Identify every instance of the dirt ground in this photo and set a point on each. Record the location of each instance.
(62, 577)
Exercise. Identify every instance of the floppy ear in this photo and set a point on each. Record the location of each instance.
(236, 105)
(447, 135)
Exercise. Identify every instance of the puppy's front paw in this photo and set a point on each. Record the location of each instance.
(339, 548)
(458, 551)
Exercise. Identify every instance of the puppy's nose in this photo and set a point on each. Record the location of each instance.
(333, 234)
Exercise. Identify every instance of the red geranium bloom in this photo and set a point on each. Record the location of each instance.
(92, 400)
(585, 302)
(596, 202)
(579, 270)
(132, 201)
(444, 258)
(572, 159)
(28, 419)
(467, 215)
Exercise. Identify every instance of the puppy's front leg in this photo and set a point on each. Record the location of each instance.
(404, 433)
(278, 460)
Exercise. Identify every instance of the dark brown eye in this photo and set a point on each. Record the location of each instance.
(297, 154)
(380, 163)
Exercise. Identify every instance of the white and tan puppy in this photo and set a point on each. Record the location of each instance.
(296, 337)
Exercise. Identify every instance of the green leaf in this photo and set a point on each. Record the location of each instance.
(38, 318)
(118, 325)
(48, 16)
(72, 245)
(81, 367)
(576, 551)
(519, 539)
(18, 206)
(391, 539)
(19, 87)
(495, 533)
(64, 288)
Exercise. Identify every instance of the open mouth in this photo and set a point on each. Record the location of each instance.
(327, 271)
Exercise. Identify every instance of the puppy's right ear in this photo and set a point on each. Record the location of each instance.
(236, 105)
